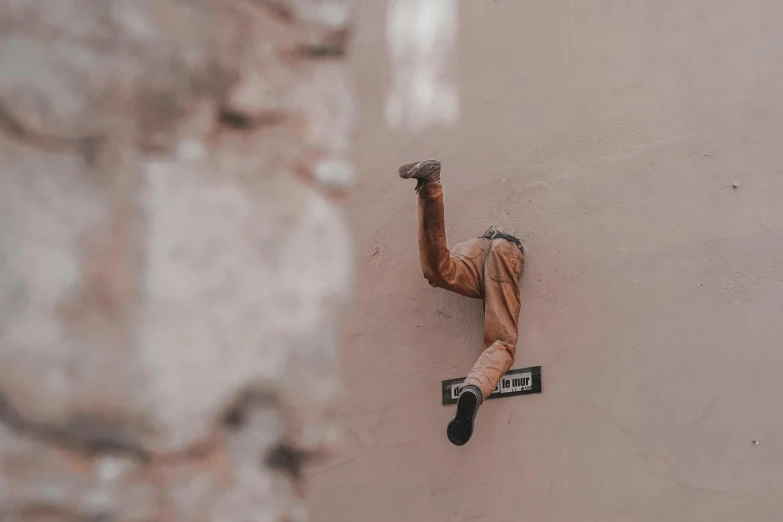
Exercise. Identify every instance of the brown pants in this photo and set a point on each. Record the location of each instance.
(478, 268)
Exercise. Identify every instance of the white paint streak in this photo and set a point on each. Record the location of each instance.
(421, 36)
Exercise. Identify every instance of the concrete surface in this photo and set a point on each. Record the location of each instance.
(166, 354)
(609, 136)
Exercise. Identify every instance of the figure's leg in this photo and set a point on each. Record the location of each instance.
(501, 326)
(460, 270)
(501, 315)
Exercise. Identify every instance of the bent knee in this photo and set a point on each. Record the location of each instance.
(434, 279)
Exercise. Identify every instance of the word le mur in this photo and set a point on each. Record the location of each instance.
(506, 385)
(520, 381)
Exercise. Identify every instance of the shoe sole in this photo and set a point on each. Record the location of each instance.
(460, 428)
(417, 168)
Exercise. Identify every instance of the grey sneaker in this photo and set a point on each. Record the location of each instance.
(460, 427)
(427, 171)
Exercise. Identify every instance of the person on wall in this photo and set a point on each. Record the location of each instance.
(487, 268)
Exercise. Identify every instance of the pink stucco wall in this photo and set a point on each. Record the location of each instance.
(608, 135)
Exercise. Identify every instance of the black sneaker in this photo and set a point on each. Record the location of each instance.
(460, 427)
